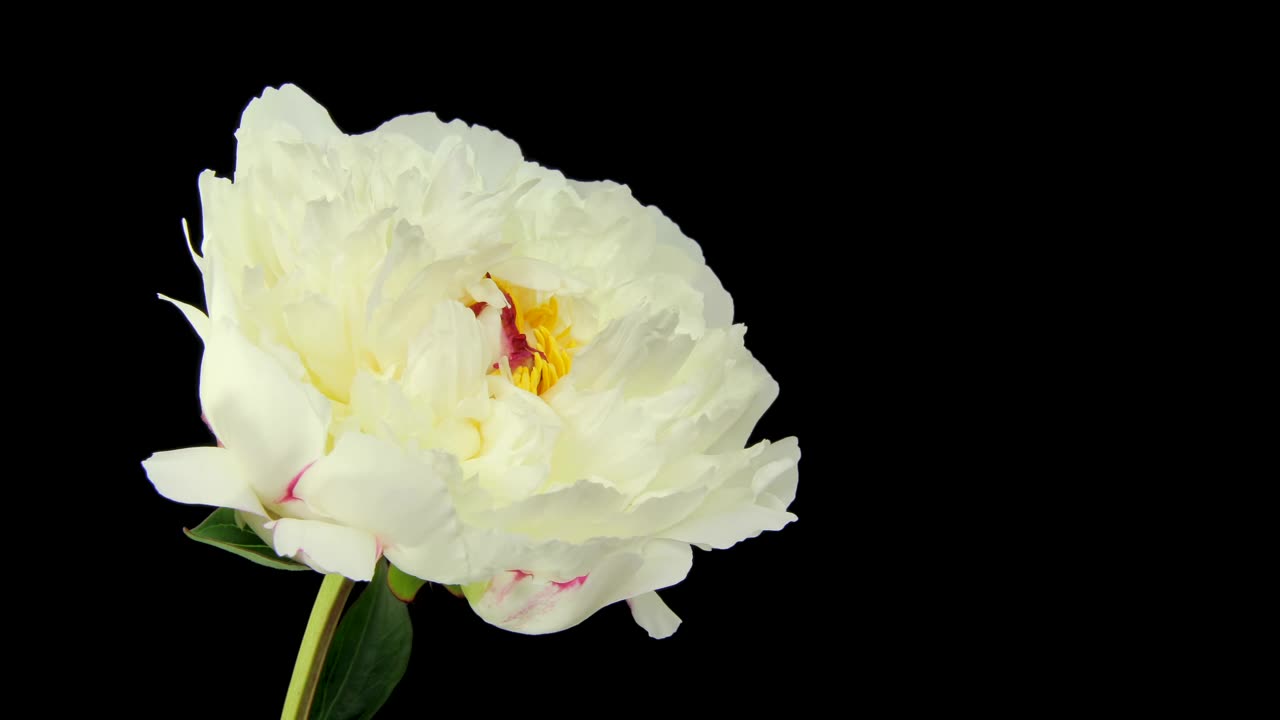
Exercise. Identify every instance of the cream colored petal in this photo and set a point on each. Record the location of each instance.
(202, 476)
(400, 496)
(447, 361)
(274, 424)
(494, 155)
(752, 501)
(318, 331)
(737, 434)
(288, 113)
(199, 321)
(717, 303)
(652, 614)
(535, 604)
(327, 547)
(186, 233)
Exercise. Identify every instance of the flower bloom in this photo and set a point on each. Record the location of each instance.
(419, 345)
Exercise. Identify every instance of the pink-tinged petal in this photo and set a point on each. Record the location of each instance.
(527, 603)
(326, 547)
(274, 423)
(205, 420)
(574, 583)
(289, 495)
(401, 496)
(652, 614)
(202, 476)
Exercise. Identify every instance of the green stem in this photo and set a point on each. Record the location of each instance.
(315, 645)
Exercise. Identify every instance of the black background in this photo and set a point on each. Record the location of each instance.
(758, 169)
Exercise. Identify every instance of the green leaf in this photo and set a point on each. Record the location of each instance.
(222, 531)
(369, 654)
(403, 585)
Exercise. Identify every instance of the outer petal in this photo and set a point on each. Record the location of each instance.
(186, 233)
(272, 422)
(653, 615)
(737, 434)
(288, 113)
(202, 476)
(199, 321)
(717, 304)
(534, 605)
(326, 547)
(755, 499)
(495, 155)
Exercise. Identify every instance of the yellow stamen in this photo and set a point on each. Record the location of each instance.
(553, 361)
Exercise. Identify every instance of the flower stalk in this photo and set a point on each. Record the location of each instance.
(315, 646)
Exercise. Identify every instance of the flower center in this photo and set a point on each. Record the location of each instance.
(537, 355)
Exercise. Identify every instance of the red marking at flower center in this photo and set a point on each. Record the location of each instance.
(288, 492)
(514, 343)
(478, 307)
(576, 582)
(520, 575)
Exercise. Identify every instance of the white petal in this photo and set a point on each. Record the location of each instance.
(202, 476)
(535, 604)
(219, 280)
(326, 547)
(519, 439)
(717, 303)
(495, 155)
(274, 424)
(440, 559)
(752, 501)
(536, 275)
(258, 525)
(186, 232)
(199, 321)
(447, 362)
(277, 111)
(319, 333)
(573, 513)
(652, 614)
(487, 291)
(369, 483)
(737, 434)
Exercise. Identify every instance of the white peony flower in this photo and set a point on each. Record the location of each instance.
(419, 345)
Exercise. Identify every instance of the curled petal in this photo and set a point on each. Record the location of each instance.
(273, 423)
(366, 482)
(753, 500)
(202, 476)
(199, 321)
(536, 604)
(326, 547)
(652, 614)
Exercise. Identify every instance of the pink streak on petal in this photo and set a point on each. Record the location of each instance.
(378, 551)
(576, 582)
(205, 420)
(288, 492)
(501, 592)
(539, 604)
